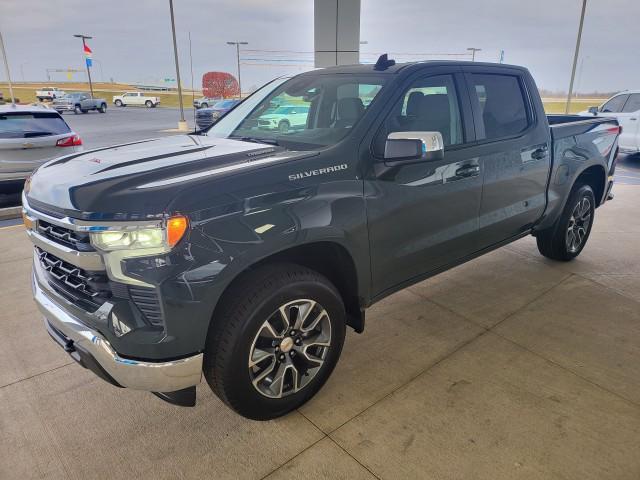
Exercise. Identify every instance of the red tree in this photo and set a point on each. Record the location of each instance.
(219, 84)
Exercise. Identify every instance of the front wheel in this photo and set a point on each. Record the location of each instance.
(204, 105)
(103, 108)
(568, 236)
(77, 109)
(274, 341)
(149, 103)
(119, 103)
(283, 126)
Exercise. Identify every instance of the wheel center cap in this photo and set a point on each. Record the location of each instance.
(286, 344)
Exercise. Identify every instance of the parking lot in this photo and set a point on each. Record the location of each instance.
(510, 366)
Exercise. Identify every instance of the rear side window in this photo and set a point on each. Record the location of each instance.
(633, 104)
(31, 125)
(615, 104)
(503, 104)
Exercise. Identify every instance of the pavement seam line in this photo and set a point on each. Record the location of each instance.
(38, 374)
(296, 455)
(609, 287)
(421, 372)
(354, 458)
(567, 369)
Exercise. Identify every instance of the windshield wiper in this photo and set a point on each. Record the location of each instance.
(268, 141)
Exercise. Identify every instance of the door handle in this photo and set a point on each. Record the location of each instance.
(633, 119)
(470, 170)
(539, 153)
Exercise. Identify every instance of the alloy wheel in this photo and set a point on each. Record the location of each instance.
(290, 348)
(579, 223)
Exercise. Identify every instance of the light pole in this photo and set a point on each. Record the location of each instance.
(22, 71)
(237, 44)
(6, 69)
(575, 56)
(182, 124)
(84, 45)
(473, 51)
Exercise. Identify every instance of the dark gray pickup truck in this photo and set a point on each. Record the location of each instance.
(244, 253)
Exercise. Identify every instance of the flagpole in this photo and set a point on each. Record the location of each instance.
(84, 45)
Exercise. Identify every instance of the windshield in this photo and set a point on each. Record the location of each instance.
(73, 95)
(306, 112)
(225, 104)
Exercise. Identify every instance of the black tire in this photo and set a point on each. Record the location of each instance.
(204, 105)
(283, 126)
(239, 320)
(557, 243)
(103, 108)
(149, 104)
(77, 110)
(119, 103)
(84, 110)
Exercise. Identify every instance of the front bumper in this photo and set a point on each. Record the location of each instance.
(89, 348)
(63, 107)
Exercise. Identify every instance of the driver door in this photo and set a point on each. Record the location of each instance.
(424, 216)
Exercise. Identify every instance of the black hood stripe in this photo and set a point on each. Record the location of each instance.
(67, 158)
(150, 159)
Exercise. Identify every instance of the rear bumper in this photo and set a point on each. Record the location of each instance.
(89, 348)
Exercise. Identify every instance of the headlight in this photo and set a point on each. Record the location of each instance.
(132, 238)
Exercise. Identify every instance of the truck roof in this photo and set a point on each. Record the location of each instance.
(369, 67)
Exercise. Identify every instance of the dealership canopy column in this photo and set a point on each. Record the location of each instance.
(336, 32)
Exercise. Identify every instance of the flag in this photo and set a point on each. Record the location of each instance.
(87, 55)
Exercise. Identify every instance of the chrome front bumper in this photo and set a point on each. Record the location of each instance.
(136, 374)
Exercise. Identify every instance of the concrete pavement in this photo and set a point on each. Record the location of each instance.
(510, 366)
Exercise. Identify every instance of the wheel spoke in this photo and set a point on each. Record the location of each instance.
(314, 322)
(304, 310)
(258, 356)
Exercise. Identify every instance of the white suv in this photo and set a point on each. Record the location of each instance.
(625, 107)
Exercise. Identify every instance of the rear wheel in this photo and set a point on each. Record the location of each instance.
(568, 236)
(274, 342)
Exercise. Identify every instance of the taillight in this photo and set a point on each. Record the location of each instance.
(73, 141)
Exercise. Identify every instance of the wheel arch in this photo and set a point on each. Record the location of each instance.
(596, 177)
(329, 258)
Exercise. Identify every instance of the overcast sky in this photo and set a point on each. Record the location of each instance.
(133, 38)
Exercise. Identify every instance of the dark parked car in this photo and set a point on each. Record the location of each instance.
(244, 253)
(205, 117)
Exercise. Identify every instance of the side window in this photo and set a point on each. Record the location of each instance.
(615, 104)
(633, 104)
(428, 105)
(503, 105)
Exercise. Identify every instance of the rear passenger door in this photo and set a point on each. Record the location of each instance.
(513, 146)
(629, 119)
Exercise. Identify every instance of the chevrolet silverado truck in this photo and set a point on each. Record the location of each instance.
(243, 254)
(79, 102)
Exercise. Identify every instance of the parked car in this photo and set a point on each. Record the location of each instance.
(135, 98)
(625, 107)
(49, 93)
(285, 118)
(206, 102)
(205, 117)
(29, 136)
(244, 253)
(79, 102)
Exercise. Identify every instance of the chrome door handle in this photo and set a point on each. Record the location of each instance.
(468, 171)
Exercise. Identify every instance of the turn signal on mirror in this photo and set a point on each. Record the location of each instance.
(176, 227)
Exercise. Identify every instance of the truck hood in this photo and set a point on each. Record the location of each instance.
(138, 180)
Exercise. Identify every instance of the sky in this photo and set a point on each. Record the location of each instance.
(132, 39)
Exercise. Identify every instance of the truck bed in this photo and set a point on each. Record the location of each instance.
(563, 126)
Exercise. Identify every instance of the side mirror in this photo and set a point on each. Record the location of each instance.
(413, 147)
(593, 110)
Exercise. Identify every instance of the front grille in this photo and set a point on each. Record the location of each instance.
(88, 289)
(77, 240)
(146, 299)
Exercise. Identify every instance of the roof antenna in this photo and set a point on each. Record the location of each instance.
(383, 62)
